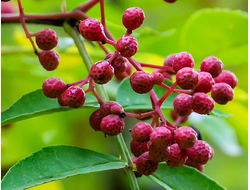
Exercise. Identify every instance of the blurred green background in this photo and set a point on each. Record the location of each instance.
(168, 28)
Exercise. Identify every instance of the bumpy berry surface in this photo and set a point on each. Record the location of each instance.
(112, 125)
(165, 74)
(49, 59)
(222, 93)
(213, 65)
(92, 29)
(176, 156)
(126, 73)
(181, 60)
(46, 39)
(174, 115)
(95, 120)
(118, 63)
(101, 72)
(227, 77)
(156, 154)
(53, 87)
(187, 78)
(138, 148)
(105, 108)
(127, 46)
(141, 132)
(141, 82)
(194, 165)
(183, 104)
(133, 18)
(73, 97)
(158, 78)
(199, 153)
(205, 83)
(146, 166)
(168, 61)
(202, 103)
(185, 137)
(161, 137)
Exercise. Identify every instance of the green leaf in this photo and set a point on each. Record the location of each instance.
(220, 113)
(183, 178)
(57, 162)
(35, 104)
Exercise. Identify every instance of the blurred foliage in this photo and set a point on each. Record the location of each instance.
(168, 28)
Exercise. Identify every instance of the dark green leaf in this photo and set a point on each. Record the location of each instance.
(36, 104)
(183, 178)
(57, 162)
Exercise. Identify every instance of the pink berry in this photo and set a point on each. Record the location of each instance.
(194, 165)
(185, 137)
(53, 87)
(138, 148)
(49, 59)
(205, 83)
(213, 65)
(101, 72)
(158, 78)
(222, 93)
(202, 103)
(112, 125)
(118, 63)
(95, 120)
(141, 132)
(227, 77)
(106, 108)
(8, 7)
(133, 18)
(141, 82)
(146, 166)
(168, 61)
(181, 60)
(134, 160)
(174, 115)
(126, 73)
(127, 46)
(187, 78)
(157, 154)
(183, 104)
(73, 97)
(92, 29)
(46, 39)
(164, 73)
(161, 137)
(176, 156)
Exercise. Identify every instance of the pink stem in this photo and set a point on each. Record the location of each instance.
(135, 64)
(166, 68)
(102, 13)
(91, 88)
(140, 115)
(103, 47)
(85, 81)
(87, 5)
(177, 90)
(177, 121)
(111, 42)
(167, 93)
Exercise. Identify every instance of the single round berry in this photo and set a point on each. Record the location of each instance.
(101, 72)
(158, 78)
(164, 73)
(146, 166)
(73, 97)
(141, 82)
(46, 39)
(213, 65)
(49, 59)
(95, 120)
(118, 63)
(199, 153)
(141, 132)
(112, 125)
(126, 73)
(157, 154)
(53, 87)
(181, 60)
(161, 137)
(205, 83)
(133, 18)
(168, 61)
(138, 148)
(222, 93)
(227, 77)
(183, 104)
(92, 29)
(187, 78)
(106, 108)
(127, 46)
(174, 115)
(202, 103)
(176, 157)
(185, 137)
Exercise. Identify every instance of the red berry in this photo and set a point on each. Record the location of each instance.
(185, 137)
(73, 97)
(176, 156)
(141, 82)
(168, 61)
(222, 93)
(127, 46)
(213, 65)
(49, 59)
(202, 103)
(92, 29)
(138, 148)
(157, 154)
(95, 120)
(53, 87)
(8, 7)
(126, 73)
(146, 166)
(141, 132)
(164, 73)
(183, 104)
(181, 60)
(187, 78)
(205, 83)
(174, 115)
(161, 137)
(133, 18)
(118, 63)
(194, 165)
(227, 77)
(46, 39)
(106, 108)
(101, 72)
(112, 125)
(158, 78)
